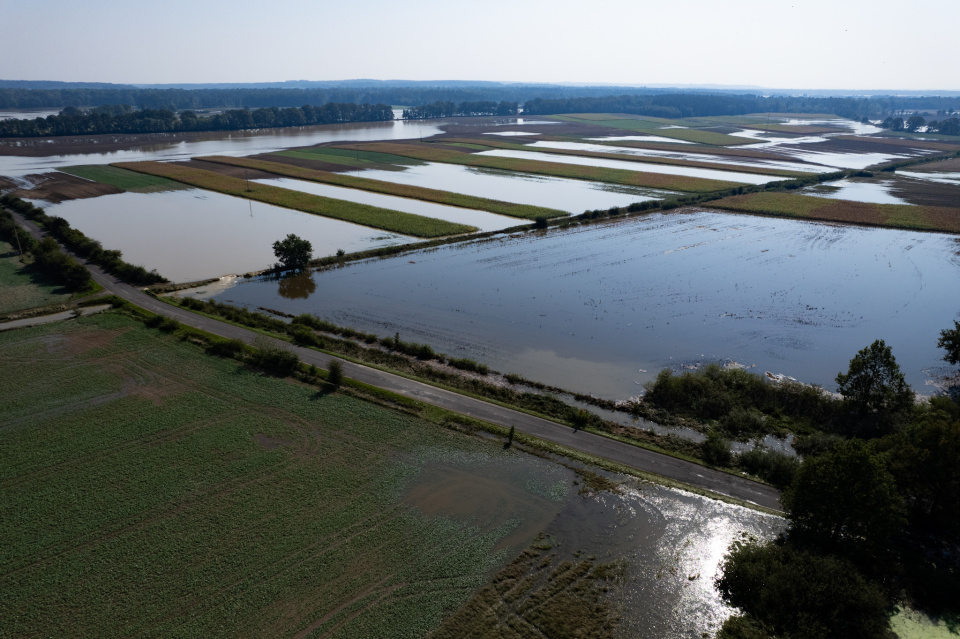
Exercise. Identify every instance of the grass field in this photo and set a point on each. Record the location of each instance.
(372, 216)
(21, 288)
(652, 126)
(904, 216)
(122, 178)
(148, 489)
(432, 153)
(628, 157)
(524, 211)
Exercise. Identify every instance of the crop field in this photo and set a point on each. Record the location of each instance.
(903, 216)
(652, 127)
(149, 489)
(799, 129)
(20, 288)
(503, 144)
(431, 153)
(122, 178)
(523, 211)
(912, 143)
(357, 159)
(372, 216)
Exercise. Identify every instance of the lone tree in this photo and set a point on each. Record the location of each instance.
(293, 252)
(874, 386)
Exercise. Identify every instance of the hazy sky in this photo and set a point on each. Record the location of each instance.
(824, 44)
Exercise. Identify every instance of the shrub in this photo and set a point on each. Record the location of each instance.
(335, 373)
(716, 450)
(274, 358)
(775, 467)
(226, 348)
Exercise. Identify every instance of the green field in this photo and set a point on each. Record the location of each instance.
(903, 216)
(433, 153)
(21, 287)
(122, 178)
(524, 211)
(149, 489)
(372, 216)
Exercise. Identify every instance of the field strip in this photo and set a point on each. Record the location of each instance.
(449, 198)
(372, 216)
(642, 159)
(652, 127)
(902, 216)
(552, 169)
(907, 142)
(122, 178)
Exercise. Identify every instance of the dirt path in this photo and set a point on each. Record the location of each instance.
(613, 450)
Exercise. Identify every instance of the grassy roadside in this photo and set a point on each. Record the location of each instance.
(628, 157)
(432, 153)
(902, 216)
(523, 211)
(372, 216)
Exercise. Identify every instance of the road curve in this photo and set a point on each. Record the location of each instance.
(596, 445)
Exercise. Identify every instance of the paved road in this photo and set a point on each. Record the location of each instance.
(619, 452)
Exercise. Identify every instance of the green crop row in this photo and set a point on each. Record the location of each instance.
(122, 178)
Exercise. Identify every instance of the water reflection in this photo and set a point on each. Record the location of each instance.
(296, 287)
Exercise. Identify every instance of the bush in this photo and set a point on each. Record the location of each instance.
(226, 348)
(716, 450)
(335, 373)
(274, 358)
(744, 422)
(777, 468)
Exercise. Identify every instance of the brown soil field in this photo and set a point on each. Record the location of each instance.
(926, 193)
(947, 166)
(58, 187)
(857, 143)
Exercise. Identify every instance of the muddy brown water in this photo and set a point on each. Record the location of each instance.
(602, 308)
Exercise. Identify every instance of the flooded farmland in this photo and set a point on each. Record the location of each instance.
(573, 196)
(603, 308)
(193, 234)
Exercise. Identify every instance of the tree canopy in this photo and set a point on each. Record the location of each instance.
(874, 386)
(292, 252)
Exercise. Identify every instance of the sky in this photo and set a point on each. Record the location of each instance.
(787, 44)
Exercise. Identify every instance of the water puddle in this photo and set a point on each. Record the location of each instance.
(638, 138)
(874, 192)
(193, 234)
(481, 219)
(574, 196)
(511, 133)
(603, 308)
(730, 176)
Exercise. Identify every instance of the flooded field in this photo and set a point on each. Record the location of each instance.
(669, 543)
(481, 219)
(193, 234)
(603, 308)
(730, 176)
(856, 191)
(574, 196)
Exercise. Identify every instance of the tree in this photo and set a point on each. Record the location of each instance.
(845, 499)
(798, 595)
(950, 342)
(293, 252)
(874, 385)
(915, 122)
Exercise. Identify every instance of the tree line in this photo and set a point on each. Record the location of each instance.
(126, 119)
(442, 109)
(947, 126)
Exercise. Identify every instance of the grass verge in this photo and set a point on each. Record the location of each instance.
(372, 216)
(523, 211)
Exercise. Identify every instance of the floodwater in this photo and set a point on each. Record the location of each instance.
(194, 234)
(638, 138)
(483, 220)
(943, 177)
(874, 192)
(669, 543)
(698, 157)
(232, 143)
(573, 196)
(626, 165)
(27, 114)
(511, 133)
(602, 308)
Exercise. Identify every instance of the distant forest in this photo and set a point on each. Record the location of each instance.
(126, 119)
(449, 109)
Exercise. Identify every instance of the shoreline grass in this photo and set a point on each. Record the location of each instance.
(652, 159)
(522, 211)
(901, 216)
(372, 216)
(430, 153)
(122, 178)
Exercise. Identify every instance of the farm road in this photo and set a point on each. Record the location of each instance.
(615, 451)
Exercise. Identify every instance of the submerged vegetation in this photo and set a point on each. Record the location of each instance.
(372, 216)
